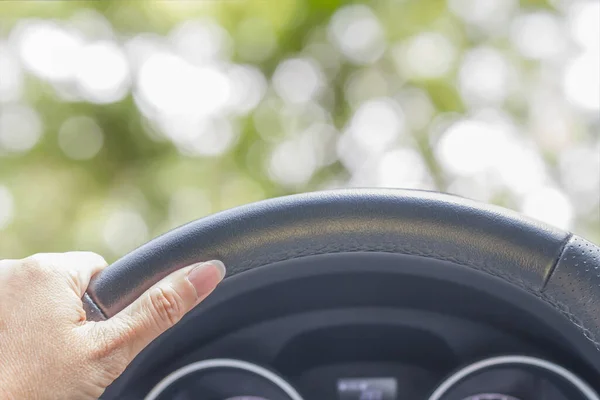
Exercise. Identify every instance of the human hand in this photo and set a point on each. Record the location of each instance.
(47, 348)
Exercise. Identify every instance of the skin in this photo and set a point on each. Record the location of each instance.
(48, 350)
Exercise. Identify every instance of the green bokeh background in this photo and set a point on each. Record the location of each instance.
(61, 204)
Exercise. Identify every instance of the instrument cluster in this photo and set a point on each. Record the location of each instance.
(509, 377)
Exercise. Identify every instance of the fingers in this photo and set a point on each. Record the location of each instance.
(163, 305)
(79, 266)
(51, 269)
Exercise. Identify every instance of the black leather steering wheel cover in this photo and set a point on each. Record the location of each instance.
(574, 287)
(502, 243)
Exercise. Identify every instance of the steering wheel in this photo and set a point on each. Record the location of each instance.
(560, 271)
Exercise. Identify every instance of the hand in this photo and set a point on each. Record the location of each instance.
(47, 348)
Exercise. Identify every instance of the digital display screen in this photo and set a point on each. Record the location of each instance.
(367, 389)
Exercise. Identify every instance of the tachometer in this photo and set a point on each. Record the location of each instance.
(220, 379)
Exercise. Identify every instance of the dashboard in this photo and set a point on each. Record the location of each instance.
(498, 378)
(346, 328)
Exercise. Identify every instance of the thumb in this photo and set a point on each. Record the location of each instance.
(163, 305)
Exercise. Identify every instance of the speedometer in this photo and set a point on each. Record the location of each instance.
(514, 377)
(220, 379)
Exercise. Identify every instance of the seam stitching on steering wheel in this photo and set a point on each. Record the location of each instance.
(395, 249)
(556, 260)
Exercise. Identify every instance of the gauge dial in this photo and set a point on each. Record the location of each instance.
(497, 375)
(220, 379)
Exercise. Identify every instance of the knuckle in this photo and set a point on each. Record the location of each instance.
(22, 273)
(87, 257)
(73, 279)
(31, 263)
(32, 267)
(167, 306)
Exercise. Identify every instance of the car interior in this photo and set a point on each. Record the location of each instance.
(279, 132)
(364, 294)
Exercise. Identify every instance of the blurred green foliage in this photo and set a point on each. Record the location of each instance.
(62, 204)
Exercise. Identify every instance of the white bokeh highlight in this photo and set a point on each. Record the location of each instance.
(403, 168)
(488, 16)
(490, 145)
(484, 77)
(172, 85)
(199, 136)
(21, 128)
(248, 86)
(427, 55)
(47, 49)
(298, 80)
(201, 41)
(124, 230)
(418, 107)
(579, 168)
(581, 81)
(11, 76)
(80, 138)
(583, 19)
(548, 204)
(102, 72)
(358, 34)
(538, 35)
(374, 127)
(293, 162)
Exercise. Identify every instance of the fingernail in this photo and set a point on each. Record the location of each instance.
(205, 276)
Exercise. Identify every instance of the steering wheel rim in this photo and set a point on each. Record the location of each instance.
(559, 268)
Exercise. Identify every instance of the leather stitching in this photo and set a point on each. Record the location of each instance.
(563, 248)
(413, 251)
